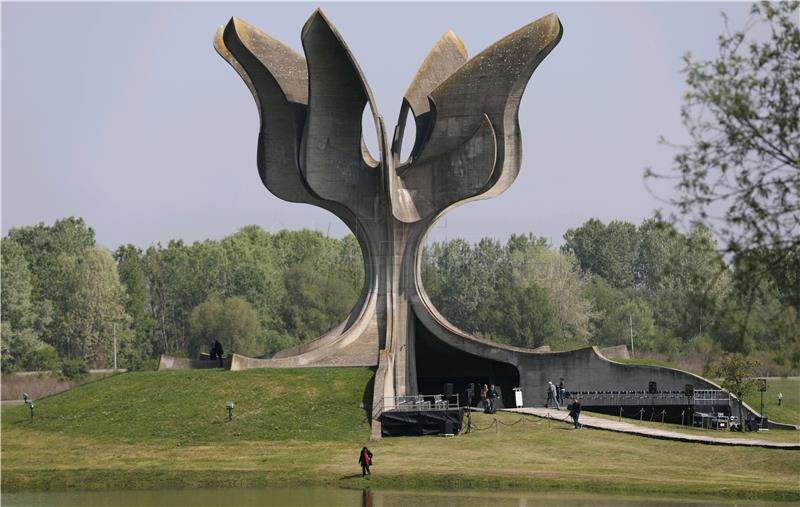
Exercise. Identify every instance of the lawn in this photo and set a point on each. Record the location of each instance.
(789, 411)
(170, 429)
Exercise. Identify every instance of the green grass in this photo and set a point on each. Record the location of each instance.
(188, 406)
(789, 411)
(304, 427)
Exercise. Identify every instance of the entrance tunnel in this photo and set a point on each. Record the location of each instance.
(439, 364)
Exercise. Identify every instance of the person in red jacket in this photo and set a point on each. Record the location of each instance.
(365, 460)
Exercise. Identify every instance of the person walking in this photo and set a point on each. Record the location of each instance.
(485, 398)
(561, 391)
(365, 460)
(575, 412)
(780, 399)
(551, 396)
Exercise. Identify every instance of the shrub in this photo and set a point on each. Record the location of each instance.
(74, 369)
(42, 359)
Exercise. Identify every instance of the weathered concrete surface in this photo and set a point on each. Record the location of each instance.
(644, 431)
(615, 352)
(468, 147)
(179, 363)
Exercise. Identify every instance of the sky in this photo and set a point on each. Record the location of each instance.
(123, 113)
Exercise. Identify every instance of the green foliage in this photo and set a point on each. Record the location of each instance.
(62, 291)
(521, 293)
(737, 372)
(608, 251)
(740, 172)
(188, 407)
(42, 359)
(75, 291)
(300, 284)
(564, 284)
(74, 369)
(233, 322)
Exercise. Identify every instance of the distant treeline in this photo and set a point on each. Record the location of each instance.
(64, 298)
(673, 292)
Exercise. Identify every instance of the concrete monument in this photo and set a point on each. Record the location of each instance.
(467, 147)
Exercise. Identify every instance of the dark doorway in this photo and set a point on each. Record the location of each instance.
(439, 364)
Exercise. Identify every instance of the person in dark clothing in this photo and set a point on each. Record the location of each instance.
(575, 413)
(491, 394)
(217, 351)
(365, 460)
(560, 392)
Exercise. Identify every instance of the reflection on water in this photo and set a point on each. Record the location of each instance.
(334, 497)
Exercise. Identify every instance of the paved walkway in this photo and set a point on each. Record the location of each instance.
(626, 427)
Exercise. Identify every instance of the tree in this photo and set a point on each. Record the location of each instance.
(18, 338)
(737, 372)
(563, 281)
(130, 267)
(740, 173)
(95, 308)
(609, 251)
(233, 322)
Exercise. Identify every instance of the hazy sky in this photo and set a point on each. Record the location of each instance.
(124, 114)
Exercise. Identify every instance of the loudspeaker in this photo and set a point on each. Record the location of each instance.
(448, 389)
(652, 387)
(688, 390)
(447, 427)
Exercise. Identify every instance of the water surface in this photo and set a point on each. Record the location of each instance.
(335, 497)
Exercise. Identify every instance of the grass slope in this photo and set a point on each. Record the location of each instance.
(789, 411)
(188, 406)
(169, 429)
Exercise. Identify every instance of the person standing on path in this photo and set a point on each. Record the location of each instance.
(561, 391)
(575, 412)
(365, 460)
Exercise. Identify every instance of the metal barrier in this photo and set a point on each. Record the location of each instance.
(421, 402)
(711, 396)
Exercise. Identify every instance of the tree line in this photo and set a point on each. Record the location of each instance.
(65, 297)
(674, 294)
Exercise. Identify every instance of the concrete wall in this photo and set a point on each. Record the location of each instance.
(181, 363)
(587, 370)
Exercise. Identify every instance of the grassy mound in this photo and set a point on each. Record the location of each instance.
(188, 406)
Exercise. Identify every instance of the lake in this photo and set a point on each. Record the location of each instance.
(334, 497)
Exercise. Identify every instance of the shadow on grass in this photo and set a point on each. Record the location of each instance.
(366, 399)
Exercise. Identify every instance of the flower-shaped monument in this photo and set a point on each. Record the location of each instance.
(467, 147)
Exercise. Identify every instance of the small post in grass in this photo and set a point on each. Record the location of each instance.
(229, 408)
(28, 401)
